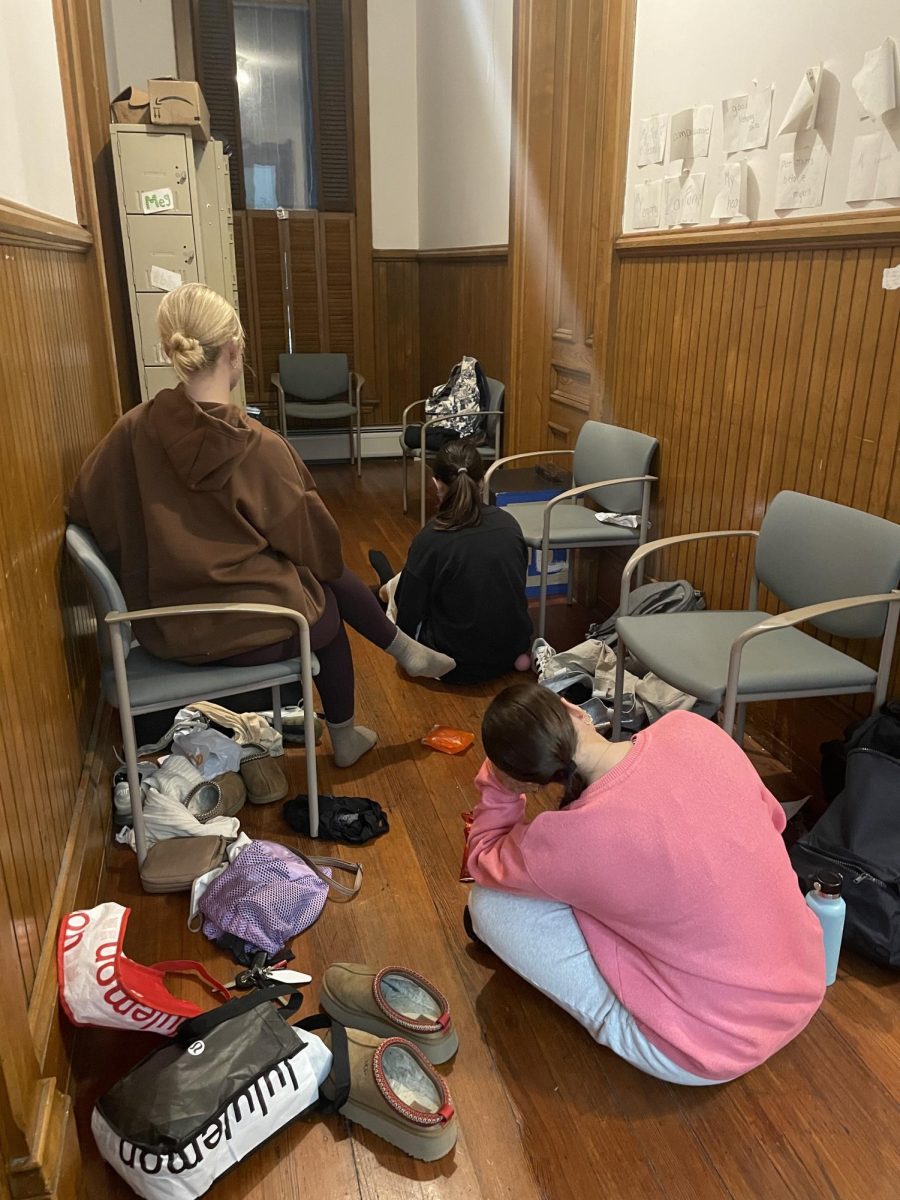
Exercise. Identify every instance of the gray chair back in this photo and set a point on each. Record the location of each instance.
(610, 452)
(106, 595)
(314, 377)
(497, 396)
(813, 550)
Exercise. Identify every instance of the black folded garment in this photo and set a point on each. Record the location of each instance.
(352, 819)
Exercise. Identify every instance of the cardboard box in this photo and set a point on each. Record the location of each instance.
(131, 107)
(179, 102)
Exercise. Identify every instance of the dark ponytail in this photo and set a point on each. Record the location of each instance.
(528, 733)
(460, 468)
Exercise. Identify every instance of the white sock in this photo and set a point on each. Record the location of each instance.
(418, 660)
(350, 742)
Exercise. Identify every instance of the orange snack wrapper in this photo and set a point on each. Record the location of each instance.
(447, 740)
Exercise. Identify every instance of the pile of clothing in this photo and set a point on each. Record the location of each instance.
(586, 676)
(200, 786)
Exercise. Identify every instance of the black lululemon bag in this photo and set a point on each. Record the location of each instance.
(859, 836)
(227, 1082)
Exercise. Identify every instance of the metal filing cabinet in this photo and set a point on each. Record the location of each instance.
(175, 211)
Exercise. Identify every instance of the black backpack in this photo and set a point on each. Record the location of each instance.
(859, 836)
(880, 731)
(352, 819)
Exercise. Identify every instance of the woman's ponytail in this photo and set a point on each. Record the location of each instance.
(460, 468)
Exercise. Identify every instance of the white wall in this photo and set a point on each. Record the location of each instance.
(698, 52)
(465, 97)
(140, 42)
(394, 124)
(440, 95)
(35, 168)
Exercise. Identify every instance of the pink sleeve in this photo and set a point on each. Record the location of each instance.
(776, 812)
(496, 851)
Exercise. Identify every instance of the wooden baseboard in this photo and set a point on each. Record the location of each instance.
(76, 887)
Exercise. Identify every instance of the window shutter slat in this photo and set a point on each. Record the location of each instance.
(333, 120)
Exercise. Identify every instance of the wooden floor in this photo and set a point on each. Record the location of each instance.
(543, 1111)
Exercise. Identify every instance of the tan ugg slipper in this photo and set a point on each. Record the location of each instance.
(397, 1095)
(391, 1002)
(263, 776)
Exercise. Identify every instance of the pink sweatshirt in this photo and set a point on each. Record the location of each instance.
(681, 885)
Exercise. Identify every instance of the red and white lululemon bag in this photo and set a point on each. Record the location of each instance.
(99, 985)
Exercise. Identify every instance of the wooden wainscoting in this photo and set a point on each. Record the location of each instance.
(759, 370)
(431, 308)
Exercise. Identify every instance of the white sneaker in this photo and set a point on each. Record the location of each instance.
(541, 653)
(122, 795)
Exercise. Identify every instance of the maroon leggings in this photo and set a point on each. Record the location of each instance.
(346, 599)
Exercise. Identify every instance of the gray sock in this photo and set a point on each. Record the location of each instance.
(418, 660)
(350, 742)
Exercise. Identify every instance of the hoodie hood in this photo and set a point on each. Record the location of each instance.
(203, 442)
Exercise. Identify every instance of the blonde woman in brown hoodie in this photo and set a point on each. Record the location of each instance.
(191, 502)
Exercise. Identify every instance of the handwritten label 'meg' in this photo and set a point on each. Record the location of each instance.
(157, 201)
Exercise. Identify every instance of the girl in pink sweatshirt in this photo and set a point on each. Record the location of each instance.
(658, 905)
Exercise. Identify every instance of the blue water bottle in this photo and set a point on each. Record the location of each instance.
(824, 898)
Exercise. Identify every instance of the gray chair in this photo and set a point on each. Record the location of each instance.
(835, 567)
(309, 386)
(136, 682)
(610, 465)
(490, 450)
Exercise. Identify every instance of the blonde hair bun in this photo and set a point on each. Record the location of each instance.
(194, 324)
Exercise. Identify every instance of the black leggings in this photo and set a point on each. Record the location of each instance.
(346, 599)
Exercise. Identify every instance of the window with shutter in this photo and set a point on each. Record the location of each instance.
(331, 28)
(214, 54)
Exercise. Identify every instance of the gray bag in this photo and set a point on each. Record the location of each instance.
(674, 596)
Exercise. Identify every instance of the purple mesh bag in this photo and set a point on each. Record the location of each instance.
(269, 894)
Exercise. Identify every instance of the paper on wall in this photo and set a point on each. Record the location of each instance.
(801, 114)
(890, 278)
(746, 120)
(158, 201)
(684, 198)
(887, 182)
(875, 82)
(731, 198)
(801, 174)
(689, 135)
(652, 139)
(647, 204)
(864, 160)
(165, 280)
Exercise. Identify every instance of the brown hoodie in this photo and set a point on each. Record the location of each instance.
(197, 503)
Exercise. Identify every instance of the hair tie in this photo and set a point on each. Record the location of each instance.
(462, 470)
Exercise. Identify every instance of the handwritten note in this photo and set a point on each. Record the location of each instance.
(890, 278)
(801, 113)
(863, 176)
(875, 83)
(801, 174)
(652, 139)
(746, 120)
(731, 199)
(684, 199)
(165, 280)
(157, 201)
(689, 135)
(647, 204)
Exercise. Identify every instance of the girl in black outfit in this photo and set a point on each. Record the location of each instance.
(462, 590)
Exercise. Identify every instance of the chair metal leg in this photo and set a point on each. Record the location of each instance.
(130, 745)
(422, 481)
(570, 577)
(405, 482)
(350, 440)
(740, 724)
(359, 443)
(276, 708)
(309, 732)
(542, 602)
(619, 689)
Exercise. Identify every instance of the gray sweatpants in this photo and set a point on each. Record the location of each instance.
(541, 941)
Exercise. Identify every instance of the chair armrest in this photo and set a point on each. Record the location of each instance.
(275, 380)
(786, 620)
(356, 384)
(662, 543)
(409, 408)
(501, 462)
(182, 610)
